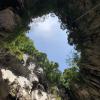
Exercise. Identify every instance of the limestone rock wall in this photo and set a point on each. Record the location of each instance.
(89, 38)
(21, 86)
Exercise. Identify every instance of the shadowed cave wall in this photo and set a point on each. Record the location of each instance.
(82, 18)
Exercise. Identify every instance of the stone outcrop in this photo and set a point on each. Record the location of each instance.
(8, 23)
(21, 86)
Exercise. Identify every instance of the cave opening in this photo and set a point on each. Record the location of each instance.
(48, 37)
(81, 18)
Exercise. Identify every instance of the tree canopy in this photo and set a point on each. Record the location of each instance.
(22, 44)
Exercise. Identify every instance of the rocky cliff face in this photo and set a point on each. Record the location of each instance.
(83, 20)
(88, 43)
(23, 82)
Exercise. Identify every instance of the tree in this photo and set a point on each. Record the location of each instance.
(71, 73)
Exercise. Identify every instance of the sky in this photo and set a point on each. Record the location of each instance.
(49, 38)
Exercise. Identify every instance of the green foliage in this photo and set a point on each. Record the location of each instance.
(21, 45)
(50, 68)
(24, 44)
(53, 74)
(54, 91)
(69, 75)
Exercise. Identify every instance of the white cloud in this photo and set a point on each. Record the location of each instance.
(45, 29)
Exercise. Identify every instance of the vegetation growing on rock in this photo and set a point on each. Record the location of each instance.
(23, 45)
